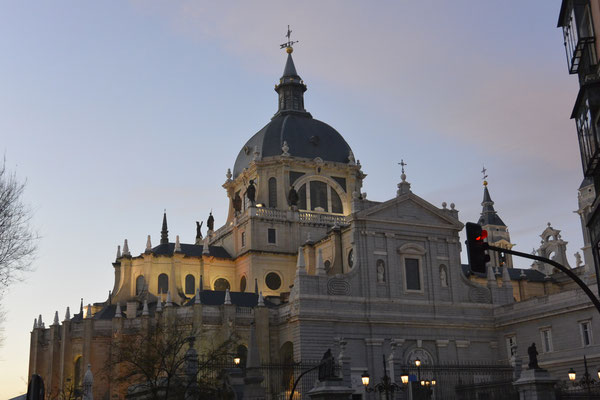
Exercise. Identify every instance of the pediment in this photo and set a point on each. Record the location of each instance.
(410, 208)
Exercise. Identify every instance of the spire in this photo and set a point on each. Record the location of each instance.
(227, 297)
(197, 298)
(148, 245)
(126, 248)
(56, 319)
(145, 311)
(291, 87)
(118, 252)
(81, 304)
(89, 311)
(255, 285)
(68, 314)
(320, 263)
(159, 305)
(489, 216)
(261, 300)
(118, 311)
(164, 233)
(177, 245)
(300, 264)
(35, 323)
(40, 322)
(169, 301)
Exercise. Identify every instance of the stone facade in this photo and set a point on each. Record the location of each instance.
(330, 270)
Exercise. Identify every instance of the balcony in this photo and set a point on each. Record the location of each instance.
(578, 34)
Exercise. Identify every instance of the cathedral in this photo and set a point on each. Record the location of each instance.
(308, 263)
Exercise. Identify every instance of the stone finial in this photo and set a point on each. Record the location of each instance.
(35, 323)
(169, 302)
(197, 297)
(351, 159)
(177, 245)
(228, 175)
(320, 263)
(403, 186)
(118, 252)
(227, 297)
(118, 311)
(300, 264)
(40, 322)
(81, 307)
(126, 248)
(68, 314)
(452, 206)
(261, 300)
(205, 247)
(285, 148)
(505, 275)
(56, 322)
(148, 245)
(88, 383)
(89, 311)
(145, 311)
(159, 305)
(444, 204)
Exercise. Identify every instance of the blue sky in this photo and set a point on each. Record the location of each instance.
(113, 111)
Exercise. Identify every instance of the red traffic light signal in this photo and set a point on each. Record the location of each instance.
(476, 247)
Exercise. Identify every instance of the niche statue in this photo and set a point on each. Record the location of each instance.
(251, 191)
(237, 203)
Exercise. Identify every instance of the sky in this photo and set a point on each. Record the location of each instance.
(113, 111)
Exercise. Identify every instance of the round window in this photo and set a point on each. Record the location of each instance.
(351, 258)
(243, 284)
(222, 284)
(273, 281)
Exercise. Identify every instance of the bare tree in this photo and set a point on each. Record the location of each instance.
(154, 360)
(17, 240)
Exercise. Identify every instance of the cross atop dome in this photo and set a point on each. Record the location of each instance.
(288, 45)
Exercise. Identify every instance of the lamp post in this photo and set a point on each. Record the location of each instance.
(587, 380)
(386, 385)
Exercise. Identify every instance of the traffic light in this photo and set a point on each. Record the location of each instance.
(476, 247)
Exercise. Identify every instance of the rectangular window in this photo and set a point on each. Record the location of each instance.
(243, 239)
(413, 274)
(511, 345)
(272, 235)
(546, 335)
(586, 333)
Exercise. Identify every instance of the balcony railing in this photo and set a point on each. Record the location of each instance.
(578, 34)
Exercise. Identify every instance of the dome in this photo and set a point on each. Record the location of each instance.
(306, 137)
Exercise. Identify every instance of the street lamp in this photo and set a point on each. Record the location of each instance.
(587, 380)
(386, 385)
(237, 359)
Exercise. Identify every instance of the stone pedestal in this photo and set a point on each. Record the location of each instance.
(331, 389)
(535, 384)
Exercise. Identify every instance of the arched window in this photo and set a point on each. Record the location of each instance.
(272, 192)
(302, 197)
(163, 283)
(222, 284)
(336, 203)
(77, 373)
(140, 284)
(319, 195)
(190, 284)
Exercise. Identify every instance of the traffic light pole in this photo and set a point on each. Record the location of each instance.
(562, 268)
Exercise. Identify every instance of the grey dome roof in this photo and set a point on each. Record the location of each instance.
(305, 136)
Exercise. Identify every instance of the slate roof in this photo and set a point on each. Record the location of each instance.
(305, 136)
(489, 216)
(532, 275)
(191, 250)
